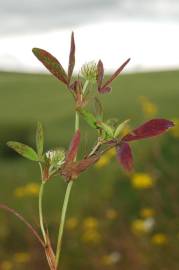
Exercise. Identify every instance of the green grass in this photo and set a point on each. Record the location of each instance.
(26, 98)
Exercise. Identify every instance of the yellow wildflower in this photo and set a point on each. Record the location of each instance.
(147, 212)
(19, 192)
(91, 237)
(142, 181)
(111, 153)
(22, 257)
(103, 161)
(90, 223)
(159, 239)
(175, 130)
(71, 223)
(111, 258)
(148, 107)
(31, 189)
(126, 130)
(111, 214)
(142, 226)
(6, 265)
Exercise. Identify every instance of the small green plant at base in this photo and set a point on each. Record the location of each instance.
(109, 134)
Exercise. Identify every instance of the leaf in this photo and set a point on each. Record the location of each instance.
(51, 63)
(71, 58)
(73, 149)
(84, 164)
(124, 156)
(116, 73)
(151, 128)
(71, 170)
(106, 128)
(105, 89)
(120, 128)
(88, 117)
(98, 109)
(24, 150)
(100, 74)
(39, 139)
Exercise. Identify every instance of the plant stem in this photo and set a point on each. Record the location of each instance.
(40, 211)
(21, 218)
(62, 222)
(67, 195)
(85, 86)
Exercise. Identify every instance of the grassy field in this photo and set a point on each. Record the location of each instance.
(102, 198)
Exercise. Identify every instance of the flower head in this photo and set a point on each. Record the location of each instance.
(55, 157)
(89, 71)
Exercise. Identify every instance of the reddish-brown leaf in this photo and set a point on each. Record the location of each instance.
(71, 170)
(124, 156)
(116, 73)
(73, 149)
(151, 128)
(100, 74)
(105, 89)
(84, 164)
(51, 63)
(71, 58)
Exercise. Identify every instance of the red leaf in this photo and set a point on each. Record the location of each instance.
(72, 152)
(71, 58)
(71, 170)
(100, 73)
(151, 128)
(116, 73)
(51, 63)
(105, 90)
(124, 156)
(84, 164)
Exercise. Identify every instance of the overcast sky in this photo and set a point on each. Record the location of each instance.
(145, 30)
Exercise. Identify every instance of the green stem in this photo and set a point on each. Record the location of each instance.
(40, 211)
(67, 195)
(62, 222)
(85, 86)
(64, 208)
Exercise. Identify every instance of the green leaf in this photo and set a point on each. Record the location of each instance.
(39, 139)
(107, 129)
(120, 128)
(24, 150)
(88, 117)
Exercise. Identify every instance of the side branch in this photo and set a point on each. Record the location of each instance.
(21, 218)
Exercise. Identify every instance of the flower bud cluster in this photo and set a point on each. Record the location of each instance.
(55, 158)
(89, 71)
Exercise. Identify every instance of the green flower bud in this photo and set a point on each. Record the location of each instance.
(89, 71)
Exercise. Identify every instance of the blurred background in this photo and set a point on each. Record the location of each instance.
(132, 219)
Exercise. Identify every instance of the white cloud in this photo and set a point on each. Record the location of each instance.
(150, 45)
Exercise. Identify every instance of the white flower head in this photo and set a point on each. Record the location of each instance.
(56, 157)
